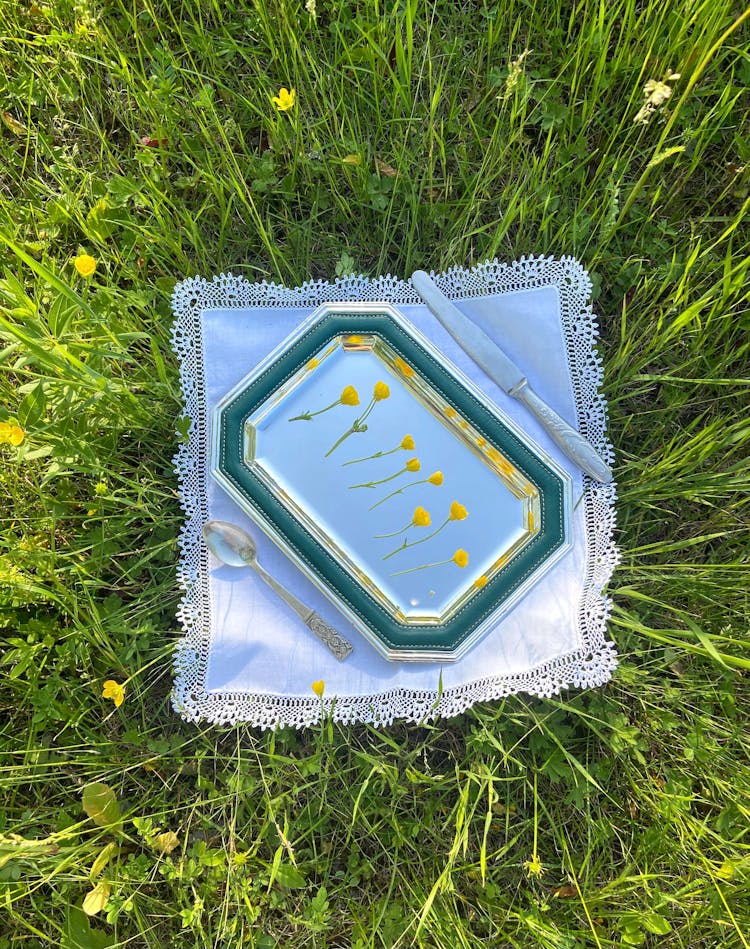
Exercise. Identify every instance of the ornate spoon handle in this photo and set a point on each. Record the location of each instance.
(330, 638)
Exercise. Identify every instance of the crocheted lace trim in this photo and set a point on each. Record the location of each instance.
(590, 665)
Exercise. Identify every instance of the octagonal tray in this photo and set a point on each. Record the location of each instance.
(421, 511)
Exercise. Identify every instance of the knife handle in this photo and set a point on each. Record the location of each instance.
(565, 436)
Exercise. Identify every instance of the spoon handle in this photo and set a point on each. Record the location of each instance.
(334, 641)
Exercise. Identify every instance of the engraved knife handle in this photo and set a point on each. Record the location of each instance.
(564, 435)
(333, 640)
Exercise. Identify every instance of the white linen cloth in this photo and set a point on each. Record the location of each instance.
(244, 656)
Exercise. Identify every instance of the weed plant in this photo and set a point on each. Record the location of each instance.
(144, 135)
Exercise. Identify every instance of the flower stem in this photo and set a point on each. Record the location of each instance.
(372, 484)
(424, 566)
(415, 542)
(357, 426)
(397, 491)
(378, 454)
(306, 416)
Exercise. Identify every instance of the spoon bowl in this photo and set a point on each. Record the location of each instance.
(230, 544)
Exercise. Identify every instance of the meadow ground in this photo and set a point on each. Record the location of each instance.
(144, 135)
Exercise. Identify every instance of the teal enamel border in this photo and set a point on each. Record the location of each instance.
(395, 635)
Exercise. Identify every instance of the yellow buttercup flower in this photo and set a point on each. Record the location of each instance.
(413, 464)
(113, 690)
(421, 517)
(319, 688)
(436, 478)
(11, 434)
(458, 512)
(408, 443)
(461, 558)
(84, 264)
(380, 392)
(350, 396)
(285, 99)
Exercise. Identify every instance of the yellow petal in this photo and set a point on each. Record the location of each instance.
(113, 690)
(318, 688)
(84, 264)
(16, 435)
(458, 512)
(421, 517)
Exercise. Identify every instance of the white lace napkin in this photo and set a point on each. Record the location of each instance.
(243, 657)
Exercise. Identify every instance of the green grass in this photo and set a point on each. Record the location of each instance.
(635, 798)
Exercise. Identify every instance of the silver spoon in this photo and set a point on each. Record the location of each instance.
(236, 548)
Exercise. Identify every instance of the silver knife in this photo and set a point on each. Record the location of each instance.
(488, 355)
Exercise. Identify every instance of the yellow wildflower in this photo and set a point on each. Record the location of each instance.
(534, 866)
(84, 264)
(480, 582)
(436, 478)
(461, 558)
(11, 434)
(421, 517)
(408, 443)
(380, 392)
(458, 512)
(350, 396)
(113, 690)
(285, 99)
(413, 464)
(319, 688)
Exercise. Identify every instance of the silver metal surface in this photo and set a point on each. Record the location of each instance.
(236, 548)
(290, 457)
(490, 357)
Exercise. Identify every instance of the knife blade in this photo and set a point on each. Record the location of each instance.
(489, 356)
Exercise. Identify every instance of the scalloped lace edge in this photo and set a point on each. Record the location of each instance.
(590, 665)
